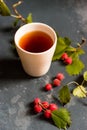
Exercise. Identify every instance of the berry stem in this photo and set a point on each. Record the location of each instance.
(44, 109)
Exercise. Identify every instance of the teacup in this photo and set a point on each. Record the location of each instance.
(35, 44)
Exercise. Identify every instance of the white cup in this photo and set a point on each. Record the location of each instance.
(35, 64)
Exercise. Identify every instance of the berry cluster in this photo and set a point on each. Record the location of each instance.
(44, 106)
(66, 58)
(56, 82)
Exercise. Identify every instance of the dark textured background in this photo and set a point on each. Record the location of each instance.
(17, 89)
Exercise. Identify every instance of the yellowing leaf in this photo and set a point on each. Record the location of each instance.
(85, 75)
(80, 91)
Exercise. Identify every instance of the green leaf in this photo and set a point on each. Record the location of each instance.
(70, 49)
(77, 65)
(64, 95)
(62, 44)
(67, 41)
(80, 91)
(29, 18)
(80, 51)
(75, 68)
(4, 10)
(15, 22)
(61, 118)
(85, 75)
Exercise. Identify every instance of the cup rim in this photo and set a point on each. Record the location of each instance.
(36, 53)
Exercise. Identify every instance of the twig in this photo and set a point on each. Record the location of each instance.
(73, 82)
(17, 14)
(82, 43)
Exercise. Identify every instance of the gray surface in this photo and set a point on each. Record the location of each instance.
(17, 89)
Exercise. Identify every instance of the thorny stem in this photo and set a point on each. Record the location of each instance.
(17, 14)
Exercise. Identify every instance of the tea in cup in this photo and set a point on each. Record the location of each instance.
(35, 44)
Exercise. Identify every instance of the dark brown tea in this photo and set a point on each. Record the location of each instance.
(36, 41)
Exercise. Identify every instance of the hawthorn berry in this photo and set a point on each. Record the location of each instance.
(64, 56)
(37, 100)
(45, 104)
(60, 76)
(56, 82)
(37, 108)
(68, 60)
(48, 87)
(47, 113)
(53, 107)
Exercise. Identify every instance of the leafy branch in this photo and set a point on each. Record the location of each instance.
(79, 91)
(64, 46)
(17, 14)
(60, 117)
(5, 11)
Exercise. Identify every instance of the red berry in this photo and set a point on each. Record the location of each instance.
(37, 100)
(47, 114)
(64, 56)
(60, 76)
(53, 107)
(37, 108)
(68, 60)
(56, 82)
(48, 87)
(45, 104)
